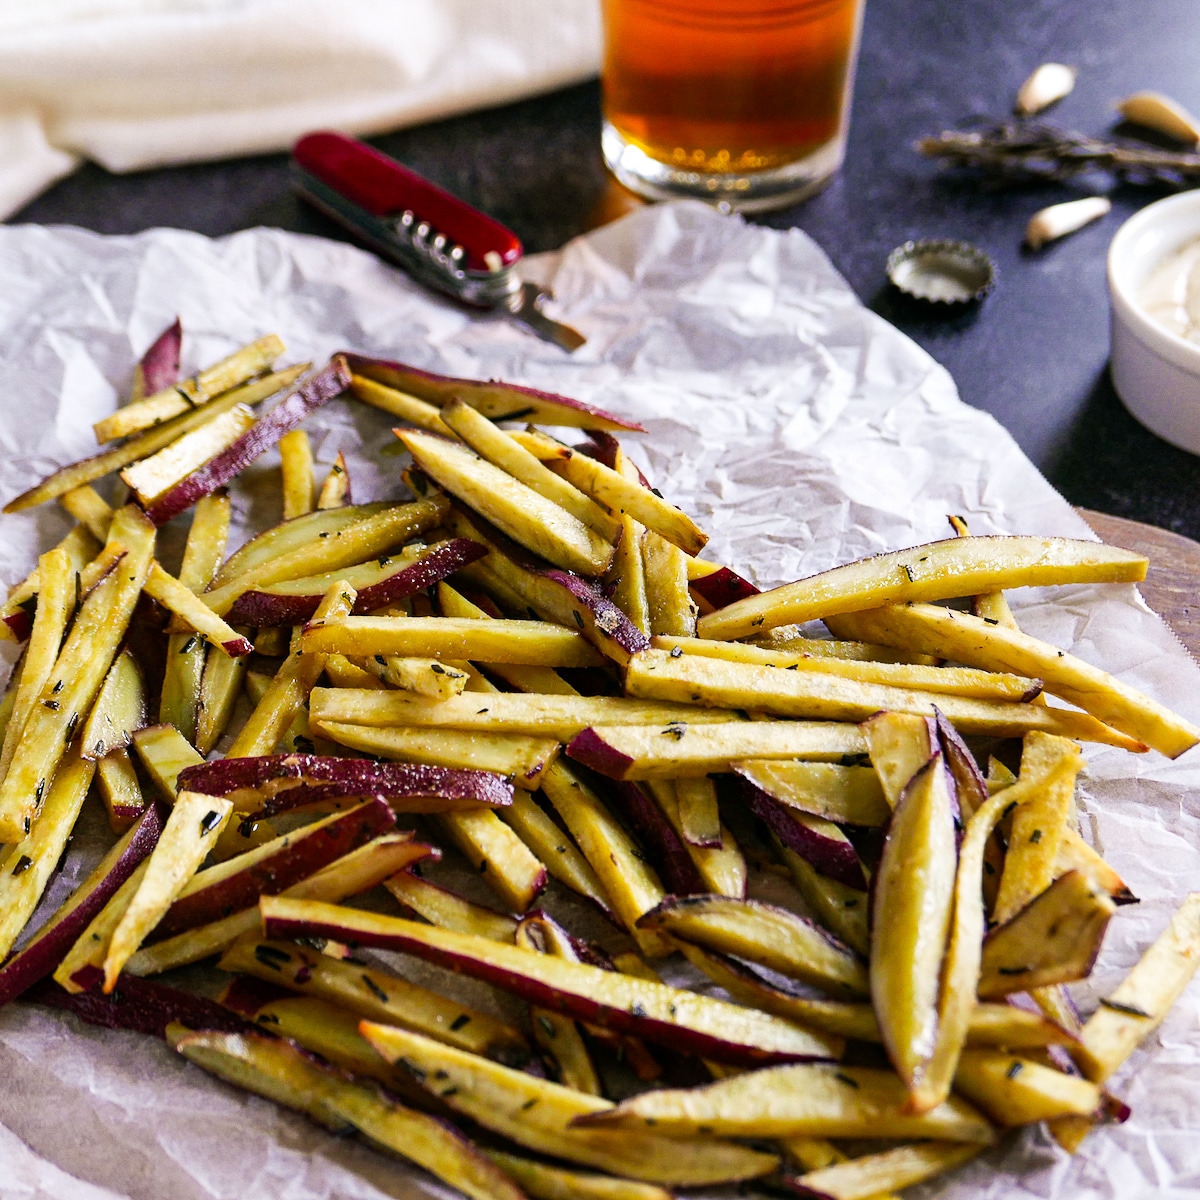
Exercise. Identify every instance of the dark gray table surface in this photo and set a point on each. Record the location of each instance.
(1035, 352)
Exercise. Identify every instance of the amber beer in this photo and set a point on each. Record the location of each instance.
(741, 100)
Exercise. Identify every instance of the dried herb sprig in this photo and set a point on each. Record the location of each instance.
(1014, 152)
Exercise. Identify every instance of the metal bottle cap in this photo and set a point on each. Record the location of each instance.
(941, 271)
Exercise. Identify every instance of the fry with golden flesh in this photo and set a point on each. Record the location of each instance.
(143, 444)
(961, 969)
(335, 490)
(324, 547)
(840, 909)
(631, 885)
(280, 1071)
(81, 667)
(530, 643)
(912, 907)
(538, 1115)
(27, 867)
(191, 830)
(191, 393)
(399, 404)
(524, 758)
(762, 933)
(1144, 997)
(291, 686)
(682, 750)
(202, 554)
(672, 1016)
(553, 847)
(817, 695)
(350, 875)
(1055, 938)
(440, 906)
(296, 467)
(1018, 1091)
(56, 603)
(866, 1178)
(1038, 822)
(524, 515)
(554, 716)
(953, 681)
(376, 994)
(541, 1181)
(969, 639)
(850, 795)
(510, 868)
(558, 1035)
(935, 571)
(664, 567)
(816, 1100)
(15, 623)
(150, 478)
(620, 494)
(722, 867)
(506, 453)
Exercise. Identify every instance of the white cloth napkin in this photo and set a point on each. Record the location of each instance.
(142, 83)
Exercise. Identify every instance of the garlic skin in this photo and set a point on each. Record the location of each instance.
(1046, 86)
(1060, 219)
(1153, 110)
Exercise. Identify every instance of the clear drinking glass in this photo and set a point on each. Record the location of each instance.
(740, 102)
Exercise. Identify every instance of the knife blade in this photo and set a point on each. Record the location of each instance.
(437, 238)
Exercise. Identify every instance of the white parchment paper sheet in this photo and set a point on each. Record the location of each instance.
(799, 428)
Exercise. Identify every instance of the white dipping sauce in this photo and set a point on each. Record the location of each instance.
(1171, 293)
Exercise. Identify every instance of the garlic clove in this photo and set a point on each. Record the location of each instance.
(1155, 111)
(1060, 219)
(1046, 86)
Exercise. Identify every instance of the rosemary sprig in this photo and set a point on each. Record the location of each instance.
(1012, 152)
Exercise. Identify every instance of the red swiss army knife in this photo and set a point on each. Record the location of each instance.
(437, 238)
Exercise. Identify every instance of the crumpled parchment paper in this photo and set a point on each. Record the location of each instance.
(800, 429)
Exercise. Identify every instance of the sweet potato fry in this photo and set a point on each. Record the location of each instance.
(814, 695)
(952, 681)
(532, 643)
(282, 1072)
(868, 1177)
(538, 524)
(935, 571)
(189, 834)
(1038, 822)
(508, 455)
(620, 1002)
(27, 867)
(335, 490)
(55, 606)
(681, 750)
(538, 1114)
(620, 494)
(202, 554)
(763, 933)
(971, 640)
(509, 867)
(81, 666)
(1055, 938)
(147, 442)
(851, 795)
(811, 1099)
(1143, 998)
(911, 912)
(193, 393)
(296, 465)
(545, 1182)
(376, 994)
(560, 717)
(448, 910)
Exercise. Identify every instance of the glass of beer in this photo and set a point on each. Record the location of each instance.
(744, 103)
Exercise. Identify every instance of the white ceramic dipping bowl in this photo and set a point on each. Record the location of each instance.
(1156, 372)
